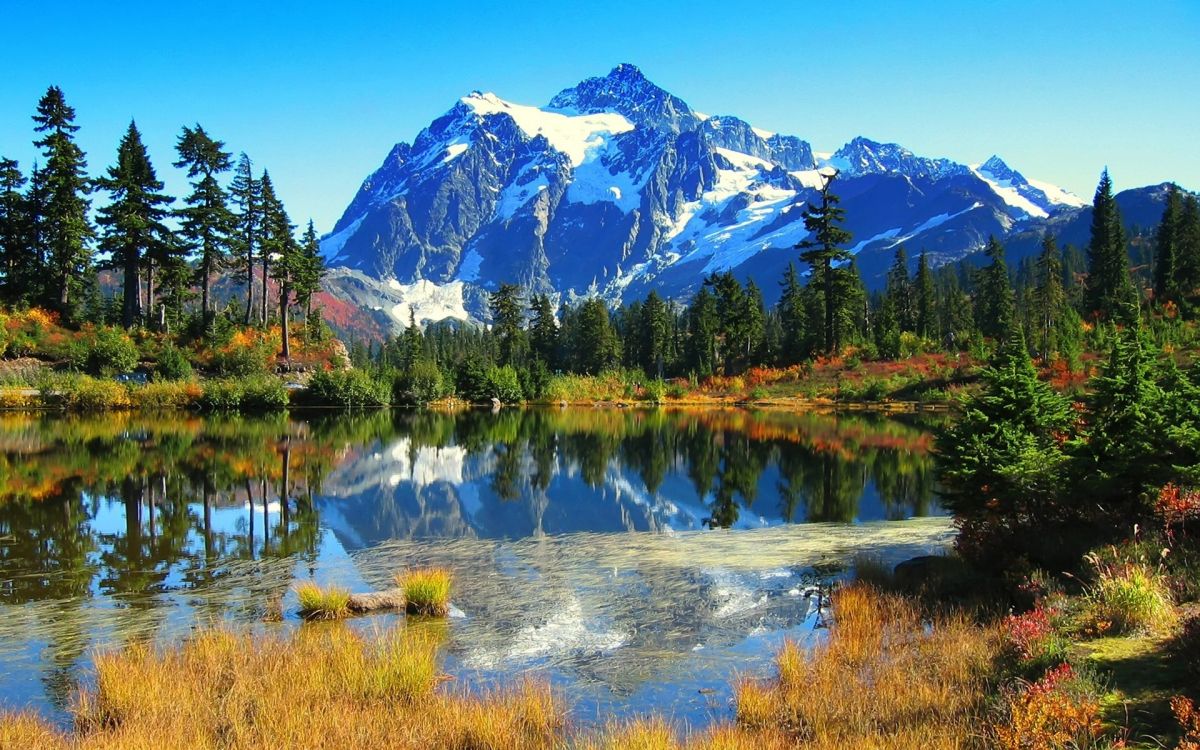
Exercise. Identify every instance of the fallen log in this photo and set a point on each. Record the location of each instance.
(376, 600)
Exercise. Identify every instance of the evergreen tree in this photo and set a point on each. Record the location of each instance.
(15, 253)
(1188, 249)
(792, 318)
(755, 317)
(310, 269)
(926, 300)
(245, 192)
(278, 242)
(508, 318)
(900, 292)
(596, 347)
(994, 304)
(1057, 325)
(206, 222)
(821, 252)
(1000, 464)
(132, 223)
(67, 231)
(654, 329)
(543, 331)
(1111, 294)
(703, 325)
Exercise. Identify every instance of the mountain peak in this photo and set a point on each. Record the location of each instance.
(627, 91)
(997, 169)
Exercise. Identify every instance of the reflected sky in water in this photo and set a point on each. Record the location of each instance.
(635, 558)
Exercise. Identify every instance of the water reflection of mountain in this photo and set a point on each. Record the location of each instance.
(531, 473)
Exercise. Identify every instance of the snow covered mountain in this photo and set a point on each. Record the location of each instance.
(617, 187)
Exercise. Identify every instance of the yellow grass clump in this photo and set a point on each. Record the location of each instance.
(327, 688)
(426, 591)
(322, 603)
(885, 678)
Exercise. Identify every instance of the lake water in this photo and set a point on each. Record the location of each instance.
(638, 559)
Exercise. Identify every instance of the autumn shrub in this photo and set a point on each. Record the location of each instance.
(16, 397)
(83, 393)
(248, 352)
(1032, 640)
(1059, 710)
(1188, 716)
(167, 395)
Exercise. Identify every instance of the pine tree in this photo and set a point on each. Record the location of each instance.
(65, 224)
(508, 317)
(15, 253)
(1188, 249)
(926, 300)
(268, 202)
(1000, 464)
(792, 317)
(703, 325)
(245, 192)
(132, 223)
(653, 330)
(755, 316)
(278, 242)
(821, 252)
(310, 269)
(994, 305)
(900, 292)
(543, 331)
(206, 222)
(1057, 324)
(1111, 294)
(596, 346)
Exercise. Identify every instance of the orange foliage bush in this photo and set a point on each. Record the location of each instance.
(1048, 713)
(1188, 717)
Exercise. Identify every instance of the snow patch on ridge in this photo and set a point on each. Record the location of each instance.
(331, 246)
(573, 135)
(427, 301)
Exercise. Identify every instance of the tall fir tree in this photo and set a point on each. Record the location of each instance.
(1110, 291)
(65, 224)
(1166, 249)
(507, 305)
(900, 291)
(16, 255)
(132, 224)
(206, 221)
(543, 331)
(792, 318)
(994, 303)
(245, 193)
(654, 332)
(310, 269)
(595, 345)
(1056, 324)
(823, 250)
(926, 300)
(1188, 250)
(278, 242)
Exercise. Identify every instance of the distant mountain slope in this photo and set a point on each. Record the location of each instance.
(617, 187)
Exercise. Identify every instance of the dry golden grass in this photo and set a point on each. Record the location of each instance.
(885, 679)
(322, 688)
(426, 591)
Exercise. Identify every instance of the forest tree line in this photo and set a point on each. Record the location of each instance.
(168, 252)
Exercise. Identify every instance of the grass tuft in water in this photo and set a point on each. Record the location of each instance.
(322, 603)
(426, 591)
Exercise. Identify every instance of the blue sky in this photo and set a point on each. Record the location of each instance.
(319, 92)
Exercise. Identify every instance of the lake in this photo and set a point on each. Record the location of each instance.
(637, 559)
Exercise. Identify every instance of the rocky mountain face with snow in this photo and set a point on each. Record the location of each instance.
(617, 187)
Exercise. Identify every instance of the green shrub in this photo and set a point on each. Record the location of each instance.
(420, 385)
(103, 351)
(504, 384)
(759, 393)
(354, 389)
(244, 394)
(655, 391)
(173, 364)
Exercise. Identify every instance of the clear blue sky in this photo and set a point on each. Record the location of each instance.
(318, 92)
